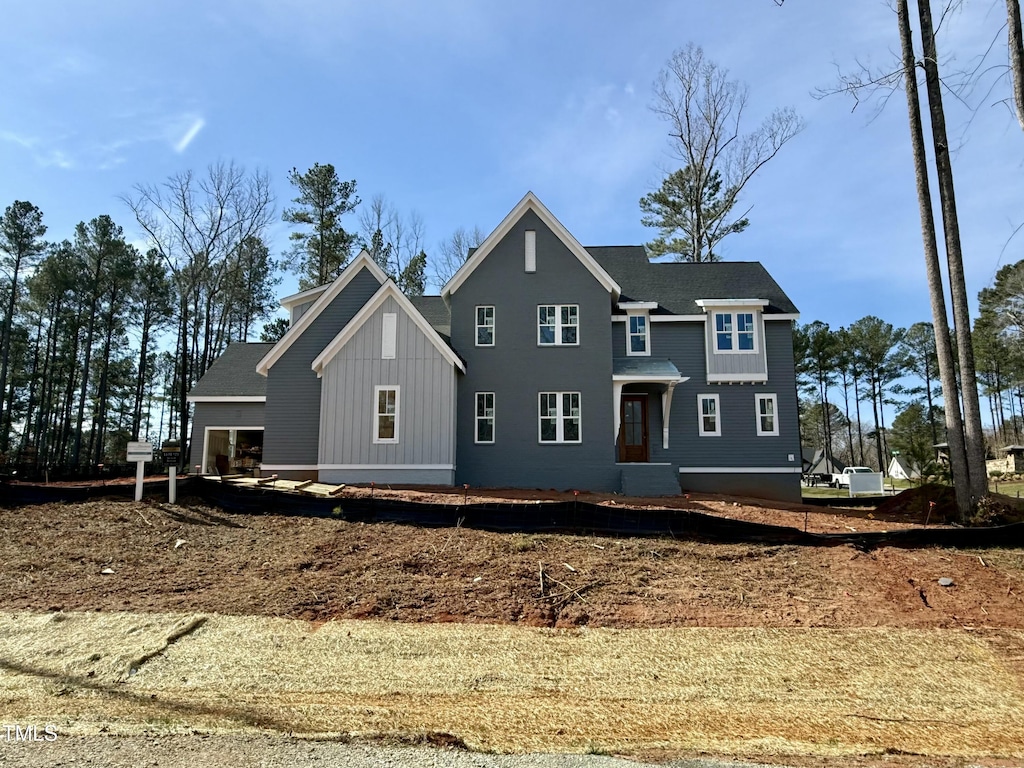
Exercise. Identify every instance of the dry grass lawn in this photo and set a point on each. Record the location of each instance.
(743, 691)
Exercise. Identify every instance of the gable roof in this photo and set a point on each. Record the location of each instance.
(362, 261)
(530, 203)
(435, 311)
(677, 286)
(388, 290)
(233, 374)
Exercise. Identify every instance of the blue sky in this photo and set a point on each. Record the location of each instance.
(455, 109)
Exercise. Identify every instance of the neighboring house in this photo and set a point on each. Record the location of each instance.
(543, 364)
(1013, 464)
(817, 463)
(902, 469)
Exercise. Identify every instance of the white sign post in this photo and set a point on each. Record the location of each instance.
(140, 453)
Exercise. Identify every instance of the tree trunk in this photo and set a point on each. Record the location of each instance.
(1016, 46)
(974, 435)
(943, 346)
(140, 381)
(5, 345)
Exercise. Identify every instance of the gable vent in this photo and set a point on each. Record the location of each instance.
(389, 336)
(531, 250)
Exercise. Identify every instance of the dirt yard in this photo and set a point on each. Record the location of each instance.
(111, 556)
(115, 555)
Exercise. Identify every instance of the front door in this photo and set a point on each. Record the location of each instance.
(633, 443)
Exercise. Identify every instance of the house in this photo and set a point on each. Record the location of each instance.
(1012, 464)
(542, 364)
(903, 469)
(816, 463)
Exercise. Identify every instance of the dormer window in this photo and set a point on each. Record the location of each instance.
(637, 343)
(734, 340)
(735, 332)
(638, 327)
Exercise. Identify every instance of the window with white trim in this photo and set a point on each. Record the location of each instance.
(735, 332)
(767, 418)
(559, 415)
(485, 417)
(558, 324)
(485, 326)
(708, 423)
(385, 421)
(637, 340)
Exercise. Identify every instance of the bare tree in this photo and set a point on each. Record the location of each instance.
(453, 251)
(195, 223)
(395, 241)
(705, 110)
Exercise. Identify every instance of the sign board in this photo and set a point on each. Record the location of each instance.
(175, 449)
(866, 482)
(140, 452)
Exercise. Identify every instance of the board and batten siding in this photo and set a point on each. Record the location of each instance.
(426, 407)
(736, 363)
(292, 434)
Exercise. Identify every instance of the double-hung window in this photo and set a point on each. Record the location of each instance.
(558, 324)
(637, 342)
(484, 417)
(559, 416)
(385, 421)
(485, 326)
(734, 332)
(708, 423)
(767, 419)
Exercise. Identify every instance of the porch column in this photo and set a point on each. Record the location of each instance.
(666, 406)
(617, 405)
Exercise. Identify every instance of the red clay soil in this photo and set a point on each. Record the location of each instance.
(196, 558)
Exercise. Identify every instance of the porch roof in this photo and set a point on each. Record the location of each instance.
(645, 369)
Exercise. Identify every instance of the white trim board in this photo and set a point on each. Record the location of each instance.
(227, 398)
(362, 261)
(302, 296)
(376, 467)
(740, 470)
(317, 467)
(388, 289)
(531, 203)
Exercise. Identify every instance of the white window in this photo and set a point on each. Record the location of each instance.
(485, 326)
(389, 336)
(558, 324)
(385, 420)
(767, 420)
(559, 417)
(735, 332)
(531, 250)
(485, 417)
(708, 424)
(637, 342)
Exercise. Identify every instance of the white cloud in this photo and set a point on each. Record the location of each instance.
(193, 130)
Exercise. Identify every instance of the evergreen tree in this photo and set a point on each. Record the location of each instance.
(322, 249)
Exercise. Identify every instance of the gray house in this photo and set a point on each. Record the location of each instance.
(543, 364)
